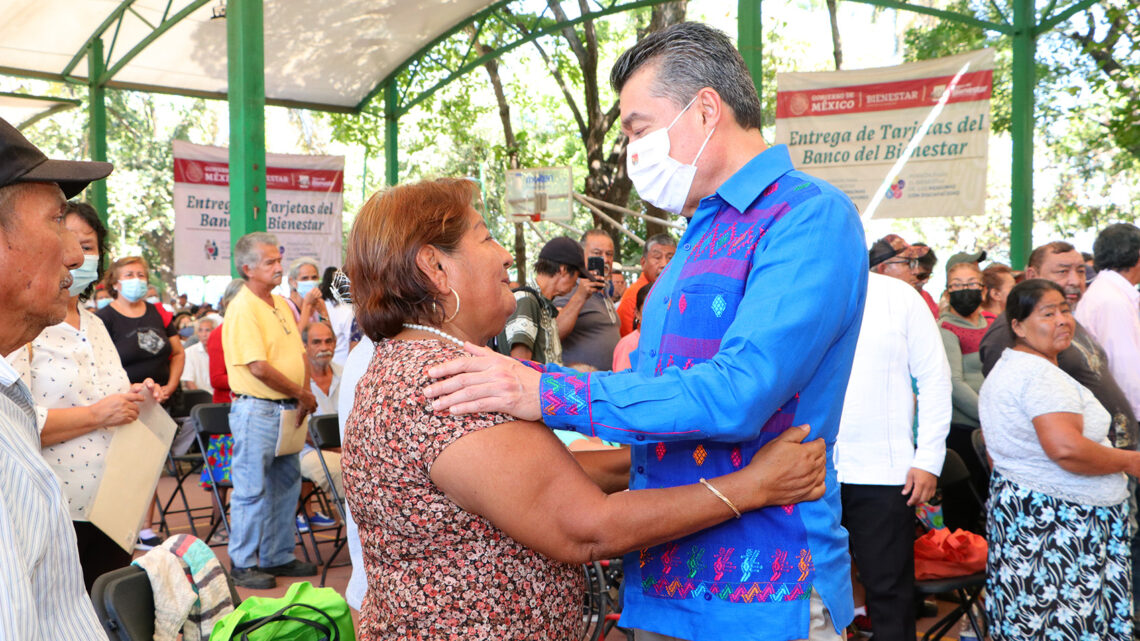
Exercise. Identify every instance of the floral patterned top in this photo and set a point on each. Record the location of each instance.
(434, 570)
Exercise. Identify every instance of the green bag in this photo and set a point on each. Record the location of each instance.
(305, 613)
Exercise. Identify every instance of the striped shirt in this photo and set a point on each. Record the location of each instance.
(42, 597)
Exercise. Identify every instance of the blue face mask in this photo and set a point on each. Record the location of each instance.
(306, 286)
(84, 275)
(132, 289)
(102, 302)
(186, 332)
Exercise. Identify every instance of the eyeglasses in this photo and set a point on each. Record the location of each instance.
(921, 277)
(284, 325)
(911, 263)
(957, 287)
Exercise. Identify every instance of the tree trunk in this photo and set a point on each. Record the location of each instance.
(606, 178)
(833, 11)
(492, 67)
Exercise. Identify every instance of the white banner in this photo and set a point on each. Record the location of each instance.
(902, 142)
(305, 199)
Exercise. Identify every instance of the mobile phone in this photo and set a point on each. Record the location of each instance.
(596, 264)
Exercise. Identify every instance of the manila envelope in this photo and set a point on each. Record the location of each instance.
(133, 464)
(290, 436)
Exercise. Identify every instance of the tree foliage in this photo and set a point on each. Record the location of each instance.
(1087, 115)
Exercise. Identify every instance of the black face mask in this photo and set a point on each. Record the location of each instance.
(965, 301)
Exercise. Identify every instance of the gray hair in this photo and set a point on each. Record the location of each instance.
(305, 332)
(295, 266)
(247, 252)
(208, 318)
(691, 56)
(231, 290)
(596, 231)
(663, 239)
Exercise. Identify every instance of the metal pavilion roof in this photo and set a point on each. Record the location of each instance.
(327, 55)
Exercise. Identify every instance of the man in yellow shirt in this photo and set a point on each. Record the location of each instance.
(268, 373)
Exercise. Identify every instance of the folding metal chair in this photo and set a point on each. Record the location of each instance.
(183, 466)
(124, 603)
(213, 419)
(966, 588)
(325, 432)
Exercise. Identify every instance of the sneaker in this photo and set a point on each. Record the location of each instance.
(320, 520)
(927, 608)
(292, 568)
(148, 540)
(252, 578)
(302, 525)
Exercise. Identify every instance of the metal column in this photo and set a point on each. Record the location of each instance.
(391, 131)
(97, 124)
(750, 39)
(1021, 130)
(245, 48)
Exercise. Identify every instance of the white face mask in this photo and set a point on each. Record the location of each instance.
(660, 179)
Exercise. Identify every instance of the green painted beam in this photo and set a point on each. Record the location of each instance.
(245, 45)
(1021, 131)
(391, 135)
(940, 13)
(551, 28)
(1048, 22)
(97, 128)
(95, 35)
(382, 85)
(750, 39)
(74, 102)
(154, 35)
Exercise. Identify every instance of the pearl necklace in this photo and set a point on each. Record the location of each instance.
(437, 332)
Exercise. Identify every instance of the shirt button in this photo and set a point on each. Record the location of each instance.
(641, 469)
(708, 596)
(652, 353)
(640, 437)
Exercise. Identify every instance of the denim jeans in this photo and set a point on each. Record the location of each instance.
(266, 487)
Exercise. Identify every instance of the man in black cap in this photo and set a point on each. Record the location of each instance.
(892, 256)
(532, 331)
(43, 593)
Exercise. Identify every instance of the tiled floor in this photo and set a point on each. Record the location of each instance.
(337, 576)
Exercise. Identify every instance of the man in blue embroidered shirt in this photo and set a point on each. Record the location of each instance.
(750, 329)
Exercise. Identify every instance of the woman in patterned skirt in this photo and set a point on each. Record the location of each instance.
(1059, 563)
(472, 526)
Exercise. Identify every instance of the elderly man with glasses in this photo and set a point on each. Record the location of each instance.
(268, 373)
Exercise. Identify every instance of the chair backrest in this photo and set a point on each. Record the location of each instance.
(212, 418)
(194, 397)
(124, 604)
(978, 440)
(954, 470)
(325, 430)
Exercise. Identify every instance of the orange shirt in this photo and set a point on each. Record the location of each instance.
(628, 304)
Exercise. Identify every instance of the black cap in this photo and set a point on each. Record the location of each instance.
(23, 162)
(566, 251)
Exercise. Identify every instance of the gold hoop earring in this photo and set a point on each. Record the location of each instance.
(457, 303)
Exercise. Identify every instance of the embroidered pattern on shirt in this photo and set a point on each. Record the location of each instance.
(687, 586)
(563, 394)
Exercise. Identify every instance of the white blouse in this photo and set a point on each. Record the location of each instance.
(67, 367)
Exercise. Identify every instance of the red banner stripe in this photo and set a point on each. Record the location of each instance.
(886, 96)
(205, 172)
